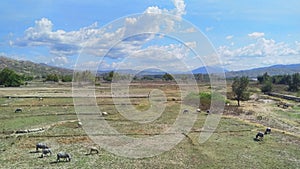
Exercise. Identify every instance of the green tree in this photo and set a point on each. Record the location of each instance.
(267, 87)
(52, 77)
(294, 84)
(10, 78)
(168, 77)
(239, 88)
(84, 76)
(264, 78)
(66, 78)
(111, 76)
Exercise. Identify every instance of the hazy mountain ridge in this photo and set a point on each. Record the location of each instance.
(271, 70)
(31, 68)
(210, 69)
(42, 69)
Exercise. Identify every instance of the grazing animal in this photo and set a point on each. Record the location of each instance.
(268, 130)
(185, 111)
(79, 124)
(198, 110)
(285, 106)
(94, 149)
(46, 151)
(64, 155)
(104, 113)
(259, 135)
(207, 111)
(18, 110)
(42, 146)
(40, 99)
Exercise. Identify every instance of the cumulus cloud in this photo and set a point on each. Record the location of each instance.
(112, 41)
(59, 61)
(261, 48)
(60, 42)
(262, 51)
(256, 34)
(179, 9)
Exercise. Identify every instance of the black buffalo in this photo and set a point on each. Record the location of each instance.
(268, 130)
(45, 152)
(18, 110)
(41, 145)
(64, 155)
(259, 136)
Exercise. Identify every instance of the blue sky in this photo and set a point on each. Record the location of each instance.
(245, 34)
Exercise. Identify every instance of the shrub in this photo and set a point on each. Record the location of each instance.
(203, 99)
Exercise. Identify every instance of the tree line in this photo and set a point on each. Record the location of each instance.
(9, 78)
(267, 81)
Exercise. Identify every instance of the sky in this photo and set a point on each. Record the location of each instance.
(176, 35)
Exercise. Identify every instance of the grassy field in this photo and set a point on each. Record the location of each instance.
(232, 144)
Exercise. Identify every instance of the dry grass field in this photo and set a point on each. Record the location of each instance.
(232, 144)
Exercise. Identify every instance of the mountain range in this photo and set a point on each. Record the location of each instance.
(41, 69)
(271, 70)
(32, 69)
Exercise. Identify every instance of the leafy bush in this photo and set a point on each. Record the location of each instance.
(203, 99)
(10, 78)
(67, 78)
(267, 87)
(52, 77)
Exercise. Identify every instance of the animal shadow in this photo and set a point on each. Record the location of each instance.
(256, 139)
(37, 151)
(56, 162)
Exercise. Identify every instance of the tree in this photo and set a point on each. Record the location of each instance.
(10, 78)
(84, 76)
(168, 77)
(267, 87)
(111, 76)
(239, 88)
(267, 81)
(264, 78)
(52, 77)
(294, 84)
(67, 78)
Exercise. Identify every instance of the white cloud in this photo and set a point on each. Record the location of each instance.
(192, 44)
(256, 34)
(262, 52)
(180, 7)
(261, 48)
(130, 20)
(59, 61)
(207, 29)
(155, 10)
(60, 42)
(229, 37)
(190, 30)
(98, 42)
(179, 10)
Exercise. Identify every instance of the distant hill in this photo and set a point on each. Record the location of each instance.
(31, 68)
(41, 69)
(210, 69)
(136, 72)
(271, 70)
